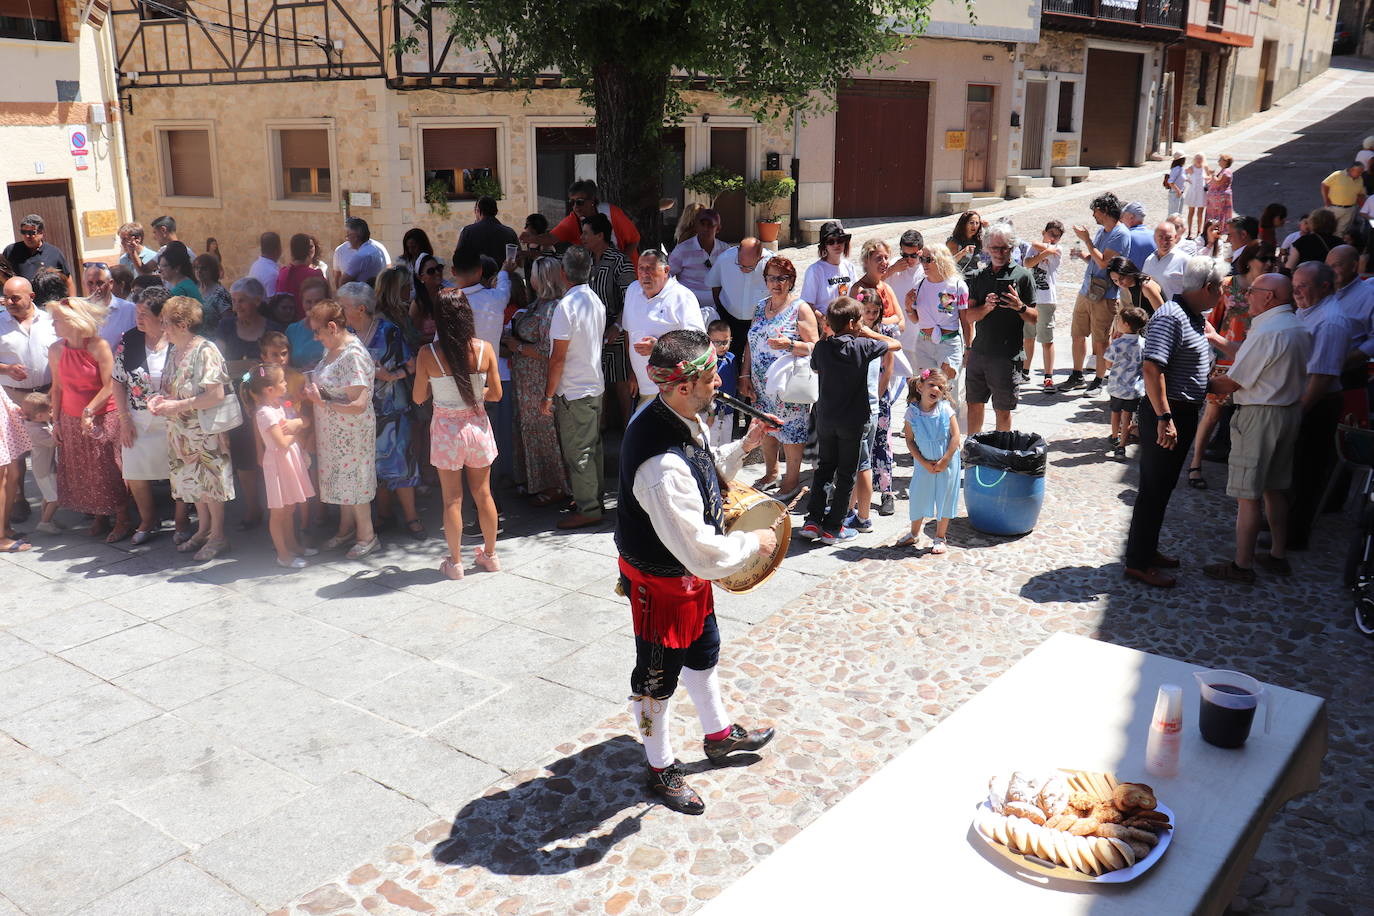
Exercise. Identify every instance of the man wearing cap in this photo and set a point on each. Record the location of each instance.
(692, 260)
(670, 533)
(1142, 239)
(833, 275)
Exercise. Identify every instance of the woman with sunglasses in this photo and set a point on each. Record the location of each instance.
(782, 324)
(935, 306)
(966, 243)
(429, 280)
(830, 277)
(1231, 319)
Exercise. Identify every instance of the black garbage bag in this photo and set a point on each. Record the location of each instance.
(1022, 453)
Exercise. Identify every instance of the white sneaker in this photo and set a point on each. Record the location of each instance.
(47, 528)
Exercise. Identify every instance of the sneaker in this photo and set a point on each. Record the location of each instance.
(737, 740)
(1019, 378)
(1075, 380)
(1048, 383)
(888, 505)
(844, 534)
(1119, 451)
(810, 532)
(859, 525)
(1095, 384)
(1113, 441)
(672, 789)
(50, 528)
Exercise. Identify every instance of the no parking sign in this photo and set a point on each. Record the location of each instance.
(80, 146)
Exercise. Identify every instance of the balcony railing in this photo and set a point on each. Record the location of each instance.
(1160, 13)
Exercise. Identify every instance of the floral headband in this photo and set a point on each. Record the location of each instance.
(685, 371)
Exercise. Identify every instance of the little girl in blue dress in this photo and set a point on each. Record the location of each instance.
(932, 436)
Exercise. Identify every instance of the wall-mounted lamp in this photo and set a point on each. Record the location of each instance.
(1016, 119)
(705, 118)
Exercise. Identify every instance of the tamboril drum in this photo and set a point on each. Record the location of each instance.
(746, 509)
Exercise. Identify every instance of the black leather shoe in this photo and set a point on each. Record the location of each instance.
(737, 740)
(670, 786)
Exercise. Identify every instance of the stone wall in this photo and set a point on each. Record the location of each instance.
(1058, 52)
(375, 139)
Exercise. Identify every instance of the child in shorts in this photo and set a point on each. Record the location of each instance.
(1125, 383)
(1043, 262)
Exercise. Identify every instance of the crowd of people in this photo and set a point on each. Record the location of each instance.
(365, 381)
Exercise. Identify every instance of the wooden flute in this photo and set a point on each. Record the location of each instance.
(749, 410)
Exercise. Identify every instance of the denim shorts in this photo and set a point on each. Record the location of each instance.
(866, 445)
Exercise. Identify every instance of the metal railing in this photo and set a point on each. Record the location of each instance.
(1160, 13)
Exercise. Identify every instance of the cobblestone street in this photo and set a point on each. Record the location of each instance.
(370, 737)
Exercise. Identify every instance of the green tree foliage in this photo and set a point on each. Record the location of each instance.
(631, 60)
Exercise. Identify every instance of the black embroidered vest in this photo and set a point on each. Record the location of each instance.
(657, 430)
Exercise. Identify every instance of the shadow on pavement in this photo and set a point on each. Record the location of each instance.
(1076, 584)
(556, 823)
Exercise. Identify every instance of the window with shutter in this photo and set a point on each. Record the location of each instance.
(305, 164)
(34, 20)
(187, 171)
(458, 157)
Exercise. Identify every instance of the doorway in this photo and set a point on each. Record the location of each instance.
(730, 151)
(1033, 134)
(50, 200)
(1264, 86)
(880, 148)
(977, 137)
(1109, 133)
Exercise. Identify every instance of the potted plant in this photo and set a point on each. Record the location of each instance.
(436, 195)
(763, 193)
(485, 186)
(713, 182)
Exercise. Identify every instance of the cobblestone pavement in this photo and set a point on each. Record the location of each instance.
(225, 739)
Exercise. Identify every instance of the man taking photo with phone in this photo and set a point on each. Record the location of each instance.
(1001, 305)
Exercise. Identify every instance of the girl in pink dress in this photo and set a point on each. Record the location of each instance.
(286, 479)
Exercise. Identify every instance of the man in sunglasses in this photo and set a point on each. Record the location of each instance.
(692, 259)
(904, 274)
(100, 288)
(31, 254)
(582, 203)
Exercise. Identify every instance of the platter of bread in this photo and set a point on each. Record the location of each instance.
(1075, 824)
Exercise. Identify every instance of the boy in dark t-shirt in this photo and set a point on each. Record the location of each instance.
(842, 413)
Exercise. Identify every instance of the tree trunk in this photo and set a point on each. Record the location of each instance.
(629, 129)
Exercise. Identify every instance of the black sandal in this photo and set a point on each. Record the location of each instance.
(1197, 483)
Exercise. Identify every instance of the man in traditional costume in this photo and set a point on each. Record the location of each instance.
(672, 542)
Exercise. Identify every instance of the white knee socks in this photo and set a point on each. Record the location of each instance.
(704, 689)
(651, 718)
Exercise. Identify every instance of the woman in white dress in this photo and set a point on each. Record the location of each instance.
(1195, 197)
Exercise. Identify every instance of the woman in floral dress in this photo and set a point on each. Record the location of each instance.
(545, 477)
(198, 463)
(1219, 194)
(779, 320)
(397, 471)
(345, 438)
(883, 314)
(14, 445)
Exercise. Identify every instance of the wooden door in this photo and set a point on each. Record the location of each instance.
(1033, 127)
(880, 148)
(1176, 62)
(977, 137)
(50, 200)
(730, 150)
(1109, 130)
(1264, 86)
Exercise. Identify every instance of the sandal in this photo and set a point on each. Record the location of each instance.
(937, 546)
(417, 529)
(211, 549)
(539, 501)
(119, 533)
(906, 540)
(17, 545)
(1228, 571)
(363, 548)
(191, 544)
(451, 569)
(337, 541)
(1197, 483)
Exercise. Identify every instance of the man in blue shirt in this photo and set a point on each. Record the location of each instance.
(1142, 237)
(1095, 306)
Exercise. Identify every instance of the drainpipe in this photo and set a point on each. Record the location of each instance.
(794, 224)
(1302, 55)
(109, 91)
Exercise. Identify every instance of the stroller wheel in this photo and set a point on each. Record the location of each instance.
(1364, 612)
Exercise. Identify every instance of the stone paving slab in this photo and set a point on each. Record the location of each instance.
(853, 653)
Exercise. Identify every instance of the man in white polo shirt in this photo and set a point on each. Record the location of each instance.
(736, 281)
(575, 384)
(1165, 264)
(359, 257)
(693, 259)
(655, 305)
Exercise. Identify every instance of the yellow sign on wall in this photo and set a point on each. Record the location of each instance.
(1059, 149)
(956, 139)
(100, 222)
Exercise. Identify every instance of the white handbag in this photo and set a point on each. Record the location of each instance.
(791, 380)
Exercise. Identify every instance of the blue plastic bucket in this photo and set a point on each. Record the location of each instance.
(1002, 502)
